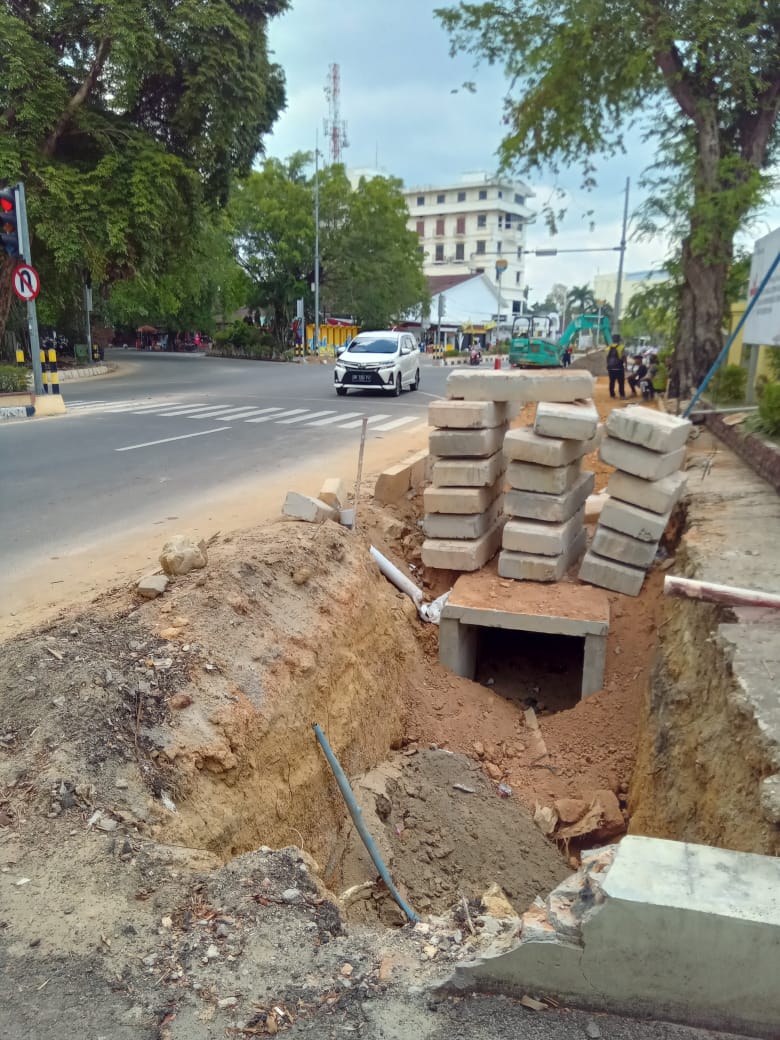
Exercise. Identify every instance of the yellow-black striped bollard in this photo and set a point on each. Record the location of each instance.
(44, 372)
(54, 376)
(20, 357)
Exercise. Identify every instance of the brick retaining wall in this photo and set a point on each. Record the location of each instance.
(763, 456)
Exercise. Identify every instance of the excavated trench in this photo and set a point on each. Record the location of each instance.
(355, 658)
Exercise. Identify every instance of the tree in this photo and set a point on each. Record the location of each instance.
(581, 300)
(369, 265)
(374, 270)
(704, 77)
(127, 119)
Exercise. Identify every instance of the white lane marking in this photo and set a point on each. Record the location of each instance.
(183, 409)
(358, 422)
(207, 410)
(334, 419)
(230, 415)
(147, 409)
(303, 418)
(436, 397)
(279, 415)
(167, 440)
(395, 423)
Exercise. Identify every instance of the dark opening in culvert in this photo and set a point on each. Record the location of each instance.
(533, 669)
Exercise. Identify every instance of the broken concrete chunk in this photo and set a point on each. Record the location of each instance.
(333, 493)
(152, 586)
(770, 798)
(303, 507)
(180, 555)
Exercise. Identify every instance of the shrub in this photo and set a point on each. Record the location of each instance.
(728, 385)
(768, 419)
(13, 380)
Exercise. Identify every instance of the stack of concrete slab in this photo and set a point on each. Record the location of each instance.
(462, 521)
(546, 501)
(648, 449)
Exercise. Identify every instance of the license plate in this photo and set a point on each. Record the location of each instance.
(361, 377)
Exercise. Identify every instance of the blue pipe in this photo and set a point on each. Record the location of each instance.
(356, 813)
(719, 359)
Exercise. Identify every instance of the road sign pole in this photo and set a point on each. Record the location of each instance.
(32, 313)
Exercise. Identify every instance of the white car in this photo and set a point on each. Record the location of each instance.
(378, 360)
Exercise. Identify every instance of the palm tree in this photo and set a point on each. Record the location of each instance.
(582, 300)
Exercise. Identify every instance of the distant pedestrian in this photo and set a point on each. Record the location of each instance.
(566, 359)
(616, 368)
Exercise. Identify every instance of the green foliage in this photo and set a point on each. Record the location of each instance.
(12, 379)
(246, 341)
(767, 421)
(703, 80)
(369, 264)
(728, 385)
(773, 357)
(127, 121)
(581, 300)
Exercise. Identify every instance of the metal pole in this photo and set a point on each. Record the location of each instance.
(619, 288)
(498, 316)
(317, 241)
(359, 478)
(724, 353)
(87, 318)
(32, 313)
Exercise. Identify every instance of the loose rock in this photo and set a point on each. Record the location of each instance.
(152, 586)
(180, 555)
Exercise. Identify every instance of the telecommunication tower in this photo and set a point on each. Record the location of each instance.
(335, 127)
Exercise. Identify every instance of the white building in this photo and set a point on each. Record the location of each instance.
(605, 285)
(460, 304)
(468, 226)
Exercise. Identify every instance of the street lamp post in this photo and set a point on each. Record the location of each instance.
(501, 266)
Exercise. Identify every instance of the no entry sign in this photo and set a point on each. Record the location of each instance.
(27, 282)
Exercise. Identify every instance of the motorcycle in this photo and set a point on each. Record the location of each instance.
(475, 356)
(646, 388)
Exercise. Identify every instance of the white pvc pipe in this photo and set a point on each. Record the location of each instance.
(398, 578)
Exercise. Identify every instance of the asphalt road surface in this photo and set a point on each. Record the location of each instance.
(169, 428)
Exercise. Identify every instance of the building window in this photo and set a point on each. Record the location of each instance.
(479, 270)
(482, 194)
(420, 200)
(460, 251)
(508, 221)
(519, 200)
(481, 220)
(421, 228)
(515, 307)
(500, 221)
(501, 194)
(498, 247)
(517, 277)
(461, 196)
(439, 254)
(460, 226)
(519, 252)
(481, 246)
(421, 250)
(440, 225)
(440, 199)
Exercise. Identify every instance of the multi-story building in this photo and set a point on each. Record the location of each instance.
(469, 225)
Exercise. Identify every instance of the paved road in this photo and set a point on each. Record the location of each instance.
(170, 428)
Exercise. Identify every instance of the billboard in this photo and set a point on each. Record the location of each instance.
(763, 322)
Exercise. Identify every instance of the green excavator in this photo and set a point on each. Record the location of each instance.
(533, 344)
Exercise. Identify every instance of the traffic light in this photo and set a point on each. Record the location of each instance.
(9, 222)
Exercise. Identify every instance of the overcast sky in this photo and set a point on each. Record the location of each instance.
(397, 83)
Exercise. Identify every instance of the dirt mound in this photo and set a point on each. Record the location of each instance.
(445, 831)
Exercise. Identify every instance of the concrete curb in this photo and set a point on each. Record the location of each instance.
(17, 412)
(66, 375)
(393, 483)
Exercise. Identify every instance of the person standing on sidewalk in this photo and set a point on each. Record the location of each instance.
(616, 368)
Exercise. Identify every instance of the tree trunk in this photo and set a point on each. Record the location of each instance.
(699, 333)
(7, 265)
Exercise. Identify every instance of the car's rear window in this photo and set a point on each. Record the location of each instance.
(373, 346)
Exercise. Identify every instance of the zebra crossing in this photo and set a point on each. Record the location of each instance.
(329, 418)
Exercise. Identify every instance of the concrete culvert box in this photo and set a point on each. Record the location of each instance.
(564, 623)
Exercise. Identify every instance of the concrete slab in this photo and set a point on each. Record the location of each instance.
(641, 462)
(460, 525)
(608, 574)
(549, 480)
(659, 496)
(468, 472)
(623, 548)
(466, 443)
(458, 647)
(523, 445)
(661, 929)
(304, 507)
(393, 483)
(452, 555)
(467, 415)
(528, 567)
(461, 500)
(487, 601)
(594, 664)
(555, 509)
(648, 428)
(578, 421)
(524, 387)
(333, 493)
(540, 538)
(635, 522)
